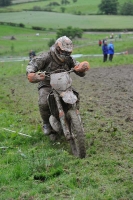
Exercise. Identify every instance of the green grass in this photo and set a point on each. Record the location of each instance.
(46, 20)
(34, 168)
(83, 7)
(24, 41)
(87, 45)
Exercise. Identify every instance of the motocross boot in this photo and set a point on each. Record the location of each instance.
(53, 137)
(47, 129)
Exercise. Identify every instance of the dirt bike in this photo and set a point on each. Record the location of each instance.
(65, 117)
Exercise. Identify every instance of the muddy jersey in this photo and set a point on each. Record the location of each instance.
(49, 62)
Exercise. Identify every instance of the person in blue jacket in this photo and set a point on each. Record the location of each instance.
(111, 51)
(105, 51)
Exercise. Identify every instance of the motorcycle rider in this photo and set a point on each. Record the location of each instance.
(58, 57)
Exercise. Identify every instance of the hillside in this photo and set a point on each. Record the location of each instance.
(31, 166)
(47, 20)
(79, 7)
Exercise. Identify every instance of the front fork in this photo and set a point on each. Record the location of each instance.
(62, 116)
(78, 114)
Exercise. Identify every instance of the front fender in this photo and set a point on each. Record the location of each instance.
(69, 97)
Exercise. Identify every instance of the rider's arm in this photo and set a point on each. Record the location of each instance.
(80, 68)
(35, 65)
(35, 78)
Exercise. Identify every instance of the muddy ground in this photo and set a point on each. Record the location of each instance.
(106, 97)
(108, 92)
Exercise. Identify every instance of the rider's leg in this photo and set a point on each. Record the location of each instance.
(44, 109)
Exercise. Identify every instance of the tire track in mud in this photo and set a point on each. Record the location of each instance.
(109, 90)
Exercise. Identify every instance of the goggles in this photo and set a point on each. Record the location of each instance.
(64, 53)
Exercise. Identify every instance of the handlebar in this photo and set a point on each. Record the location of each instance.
(56, 71)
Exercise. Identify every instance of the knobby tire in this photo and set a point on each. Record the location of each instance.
(77, 141)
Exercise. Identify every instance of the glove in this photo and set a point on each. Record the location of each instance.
(35, 78)
(82, 67)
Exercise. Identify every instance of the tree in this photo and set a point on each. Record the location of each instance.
(65, 2)
(109, 7)
(51, 42)
(70, 32)
(63, 9)
(5, 3)
(127, 8)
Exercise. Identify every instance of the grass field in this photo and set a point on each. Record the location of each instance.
(81, 6)
(47, 20)
(32, 167)
(26, 40)
(56, 20)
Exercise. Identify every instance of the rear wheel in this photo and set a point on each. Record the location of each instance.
(77, 141)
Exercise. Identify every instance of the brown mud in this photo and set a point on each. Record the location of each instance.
(106, 97)
(106, 107)
(109, 92)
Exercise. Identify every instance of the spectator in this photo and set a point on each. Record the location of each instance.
(111, 51)
(119, 36)
(112, 36)
(31, 54)
(103, 41)
(105, 51)
(100, 42)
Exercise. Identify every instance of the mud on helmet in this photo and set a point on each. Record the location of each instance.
(63, 48)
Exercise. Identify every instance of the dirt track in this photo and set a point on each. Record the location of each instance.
(109, 91)
(106, 95)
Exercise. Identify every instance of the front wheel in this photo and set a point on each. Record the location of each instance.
(77, 141)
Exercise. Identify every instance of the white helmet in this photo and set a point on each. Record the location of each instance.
(63, 48)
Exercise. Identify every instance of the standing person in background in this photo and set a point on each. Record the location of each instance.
(31, 54)
(104, 40)
(105, 51)
(111, 51)
(100, 42)
(119, 36)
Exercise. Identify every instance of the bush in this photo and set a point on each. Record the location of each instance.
(63, 9)
(127, 8)
(2, 23)
(37, 8)
(12, 24)
(21, 25)
(65, 2)
(70, 32)
(53, 4)
(51, 42)
(48, 9)
(108, 7)
(37, 28)
(5, 3)
(77, 13)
